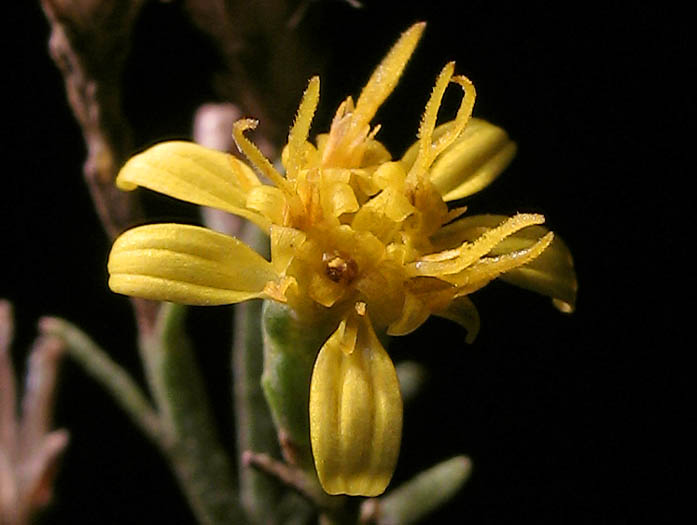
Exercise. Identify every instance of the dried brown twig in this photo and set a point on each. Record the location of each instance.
(266, 59)
(89, 43)
(29, 449)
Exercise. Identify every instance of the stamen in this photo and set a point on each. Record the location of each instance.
(301, 128)
(464, 113)
(360, 308)
(490, 239)
(456, 260)
(277, 290)
(373, 132)
(385, 77)
(340, 269)
(256, 157)
(429, 150)
(333, 149)
(454, 214)
(489, 268)
(428, 121)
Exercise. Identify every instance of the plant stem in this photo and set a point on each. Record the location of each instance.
(109, 374)
(89, 44)
(193, 447)
(290, 348)
(255, 430)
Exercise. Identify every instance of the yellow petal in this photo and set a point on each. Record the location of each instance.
(324, 291)
(268, 201)
(384, 291)
(393, 204)
(551, 273)
(414, 314)
(284, 244)
(390, 175)
(186, 264)
(337, 198)
(375, 153)
(355, 413)
(347, 334)
(309, 157)
(383, 213)
(464, 313)
(472, 162)
(195, 174)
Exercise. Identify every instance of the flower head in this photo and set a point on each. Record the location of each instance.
(357, 237)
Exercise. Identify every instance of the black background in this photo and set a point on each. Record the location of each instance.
(557, 412)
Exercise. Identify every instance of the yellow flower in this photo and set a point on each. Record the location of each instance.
(357, 237)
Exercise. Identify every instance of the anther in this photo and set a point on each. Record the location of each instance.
(340, 269)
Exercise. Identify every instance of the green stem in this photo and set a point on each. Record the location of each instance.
(109, 374)
(290, 349)
(202, 466)
(255, 430)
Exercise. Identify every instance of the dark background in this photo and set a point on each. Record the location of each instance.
(557, 412)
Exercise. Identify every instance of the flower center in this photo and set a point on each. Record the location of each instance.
(340, 269)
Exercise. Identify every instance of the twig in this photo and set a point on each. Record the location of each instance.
(109, 374)
(290, 476)
(8, 391)
(255, 429)
(195, 452)
(29, 449)
(294, 478)
(39, 390)
(89, 43)
(257, 44)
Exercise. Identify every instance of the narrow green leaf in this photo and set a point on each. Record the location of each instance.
(194, 449)
(423, 494)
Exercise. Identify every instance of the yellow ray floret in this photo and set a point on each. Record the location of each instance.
(195, 174)
(551, 273)
(355, 411)
(186, 264)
